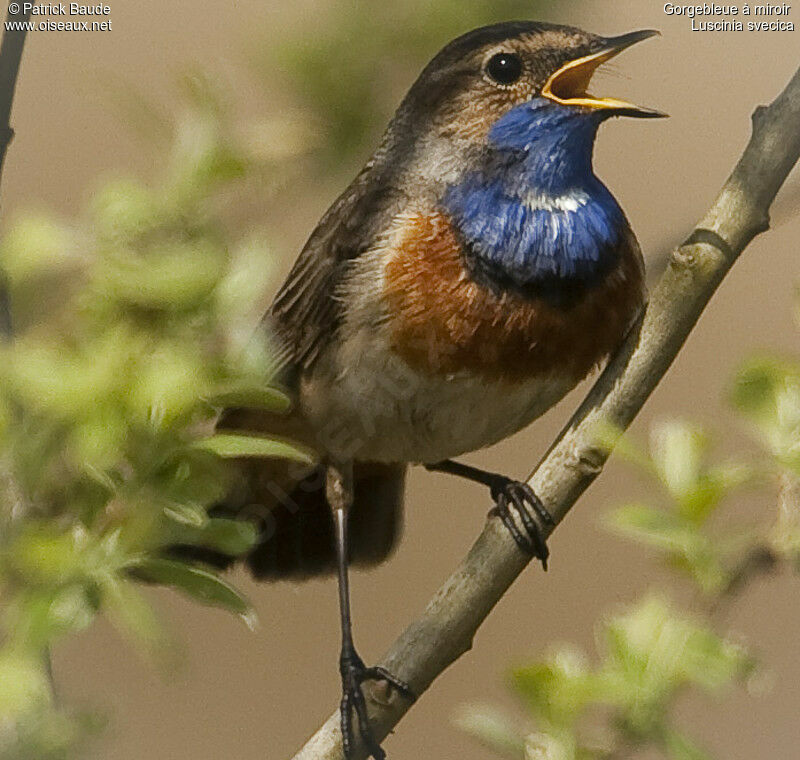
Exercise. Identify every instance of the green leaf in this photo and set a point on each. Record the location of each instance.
(549, 746)
(131, 614)
(558, 689)
(196, 582)
(232, 537)
(712, 662)
(49, 732)
(168, 380)
(37, 617)
(266, 398)
(767, 392)
(492, 729)
(181, 276)
(49, 378)
(23, 684)
(123, 209)
(656, 651)
(683, 541)
(678, 451)
(231, 445)
(43, 556)
(712, 486)
(756, 384)
(656, 527)
(34, 246)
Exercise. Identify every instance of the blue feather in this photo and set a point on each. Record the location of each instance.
(534, 213)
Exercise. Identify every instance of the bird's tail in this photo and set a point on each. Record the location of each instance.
(296, 538)
(294, 521)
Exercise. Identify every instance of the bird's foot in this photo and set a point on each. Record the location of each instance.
(508, 494)
(511, 494)
(354, 674)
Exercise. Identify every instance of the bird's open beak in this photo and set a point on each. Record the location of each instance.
(568, 85)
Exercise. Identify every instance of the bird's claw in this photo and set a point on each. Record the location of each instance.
(354, 674)
(508, 494)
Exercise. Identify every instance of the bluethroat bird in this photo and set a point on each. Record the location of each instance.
(472, 274)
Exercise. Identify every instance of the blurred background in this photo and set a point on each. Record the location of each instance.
(326, 74)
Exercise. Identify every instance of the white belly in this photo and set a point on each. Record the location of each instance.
(365, 402)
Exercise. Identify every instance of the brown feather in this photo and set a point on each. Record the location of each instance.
(442, 321)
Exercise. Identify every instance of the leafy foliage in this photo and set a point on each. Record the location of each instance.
(694, 488)
(649, 654)
(767, 394)
(652, 652)
(129, 336)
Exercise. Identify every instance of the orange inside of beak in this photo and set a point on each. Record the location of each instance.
(572, 80)
(569, 85)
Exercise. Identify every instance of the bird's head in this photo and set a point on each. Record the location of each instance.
(510, 82)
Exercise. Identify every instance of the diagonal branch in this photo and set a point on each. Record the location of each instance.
(10, 57)
(445, 630)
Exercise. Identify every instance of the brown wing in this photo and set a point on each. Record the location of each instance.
(305, 311)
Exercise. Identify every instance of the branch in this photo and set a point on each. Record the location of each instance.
(10, 57)
(445, 630)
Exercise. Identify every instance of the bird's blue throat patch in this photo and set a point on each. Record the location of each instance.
(534, 217)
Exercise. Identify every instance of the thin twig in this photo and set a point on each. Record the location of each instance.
(445, 630)
(10, 57)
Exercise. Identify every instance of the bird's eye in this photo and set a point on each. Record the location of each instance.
(504, 68)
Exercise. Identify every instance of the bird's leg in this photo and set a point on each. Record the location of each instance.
(508, 493)
(339, 489)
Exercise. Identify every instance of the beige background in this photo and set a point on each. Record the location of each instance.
(258, 695)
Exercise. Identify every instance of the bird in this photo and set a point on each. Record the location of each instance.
(474, 271)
